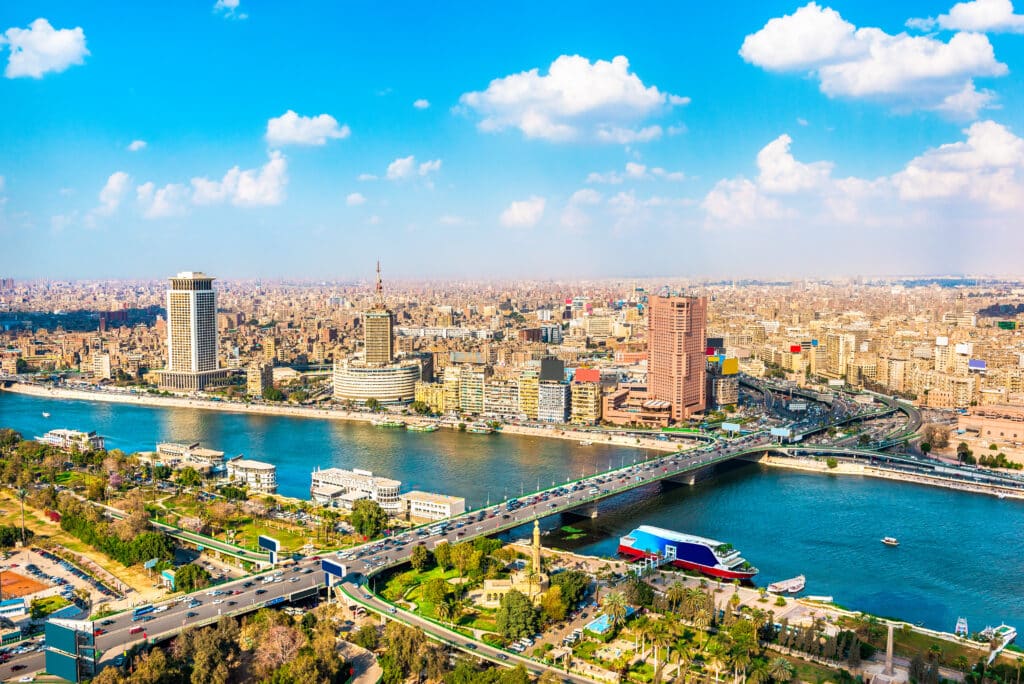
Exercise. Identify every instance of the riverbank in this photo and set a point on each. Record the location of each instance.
(866, 470)
(159, 401)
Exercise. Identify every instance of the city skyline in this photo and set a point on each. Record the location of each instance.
(794, 140)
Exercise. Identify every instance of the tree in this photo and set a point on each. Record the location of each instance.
(936, 435)
(516, 616)
(435, 590)
(573, 584)
(403, 644)
(552, 604)
(368, 518)
(278, 645)
(189, 477)
(191, 577)
(614, 605)
(372, 405)
(443, 555)
(781, 670)
(926, 448)
(366, 637)
(420, 557)
(420, 407)
(462, 557)
(639, 593)
(274, 394)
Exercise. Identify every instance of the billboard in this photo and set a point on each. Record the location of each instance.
(1007, 325)
(62, 665)
(730, 366)
(268, 544)
(795, 349)
(731, 427)
(716, 342)
(977, 364)
(781, 432)
(714, 359)
(798, 406)
(61, 638)
(332, 568)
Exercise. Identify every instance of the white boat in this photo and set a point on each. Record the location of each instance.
(45, 414)
(790, 586)
(586, 442)
(890, 541)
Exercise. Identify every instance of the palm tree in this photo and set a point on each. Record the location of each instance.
(781, 670)
(615, 606)
(740, 662)
(661, 636)
(642, 629)
(675, 594)
(22, 493)
(962, 663)
(445, 609)
(715, 656)
(759, 673)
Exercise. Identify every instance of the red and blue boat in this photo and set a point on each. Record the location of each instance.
(707, 556)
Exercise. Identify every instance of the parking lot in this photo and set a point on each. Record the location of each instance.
(56, 576)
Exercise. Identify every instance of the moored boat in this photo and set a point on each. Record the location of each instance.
(890, 541)
(480, 429)
(790, 586)
(386, 423)
(420, 427)
(713, 558)
(586, 442)
(45, 414)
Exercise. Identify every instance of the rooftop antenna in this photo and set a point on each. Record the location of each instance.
(380, 286)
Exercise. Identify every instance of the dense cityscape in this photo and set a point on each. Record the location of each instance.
(511, 344)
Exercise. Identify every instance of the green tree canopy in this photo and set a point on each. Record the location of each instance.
(368, 518)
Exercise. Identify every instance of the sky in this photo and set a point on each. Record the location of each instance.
(540, 140)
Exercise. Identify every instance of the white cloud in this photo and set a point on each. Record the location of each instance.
(113, 192)
(523, 213)
(452, 220)
(988, 168)
(248, 188)
(967, 103)
(293, 129)
(574, 218)
(136, 145)
(585, 196)
(365, 177)
(902, 70)
(161, 202)
(634, 171)
(421, 104)
(229, 8)
(576, 99)
(41, 49)
(984, 16)
(781, 172)
(355, 199)
(406, 167)
(738, 201)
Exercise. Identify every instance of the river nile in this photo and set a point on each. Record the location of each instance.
(960, 554)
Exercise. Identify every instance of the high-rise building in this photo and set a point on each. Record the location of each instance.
(586, 403)
(259, 377)
(676, 352)
(378, 326)
(553, 402)
(191, 333)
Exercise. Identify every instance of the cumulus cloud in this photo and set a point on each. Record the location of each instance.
(406, 167)
(902, 70)
(574, 218)
(293, 129)
(366, 177)
(781, 172)
(634, 171)
(250, 188)
(985, 16)
(136, 145)
(113, 192)
(355, 199)
(421, 104)
(736, 201)
(229, 8)
(987, 167)
(575, 100)
(162, 202)
(41, 49)
(523, 213)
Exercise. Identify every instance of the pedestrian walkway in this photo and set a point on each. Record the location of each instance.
(365, 668)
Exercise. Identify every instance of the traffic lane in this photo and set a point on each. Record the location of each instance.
(32, 662)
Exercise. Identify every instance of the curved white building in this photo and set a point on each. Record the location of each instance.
(390, 384)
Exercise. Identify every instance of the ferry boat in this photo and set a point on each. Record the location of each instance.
(385, 423)
(586, 442)
(790, 586)
(45, 414)
(890, 541)
(707, 556)
(419, 427)
(480, 429)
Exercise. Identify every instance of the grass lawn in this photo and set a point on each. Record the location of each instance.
(49, 604)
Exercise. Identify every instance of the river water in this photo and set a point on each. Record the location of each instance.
(960, 553)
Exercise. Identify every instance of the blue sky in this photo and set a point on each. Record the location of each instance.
(685, 139)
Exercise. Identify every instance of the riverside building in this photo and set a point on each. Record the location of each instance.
(260, 477)
(191, 334)
(340, 487)
(676, 352)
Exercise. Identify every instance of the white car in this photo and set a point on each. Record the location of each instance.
(159, 609)
(217, 601)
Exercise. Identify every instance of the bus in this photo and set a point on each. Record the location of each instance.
(141, 612)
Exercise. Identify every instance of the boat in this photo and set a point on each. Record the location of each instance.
(1000, 637)
(707, 556)
(420, 427)
(790, 586)
(586, 442)
(961, 627)
(385, 423)
(480, 429)
(45, 414)
(890, 541)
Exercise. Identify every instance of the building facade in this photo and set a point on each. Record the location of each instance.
(259, 377)
(553, 402)
(191, 333)
(334, 485)
(258, 476)
(586, 403)
(428, 506)
(676, 351)
(391, 384)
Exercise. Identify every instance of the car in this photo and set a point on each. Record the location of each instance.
(392, 610)
(191, 614)
(247, 585)
(27, 678)
(232, 603)
(470, 645)
(99, 631)
(217, 602)
(260, 592)
(107, 623)
(18, 668)
(502, 656)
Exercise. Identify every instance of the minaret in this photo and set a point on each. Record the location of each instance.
(536, 547)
